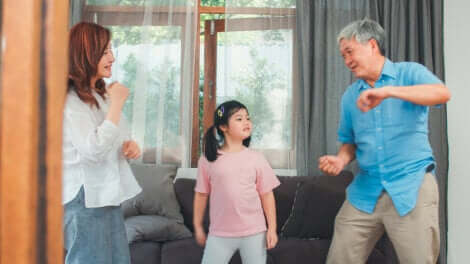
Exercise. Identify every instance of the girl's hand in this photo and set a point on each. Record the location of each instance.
(271, 238)
(200, 236)
(130, 149)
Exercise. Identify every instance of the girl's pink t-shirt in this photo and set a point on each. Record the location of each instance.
(235, 182)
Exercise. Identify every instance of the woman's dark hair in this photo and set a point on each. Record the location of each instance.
(222, 114)
(87, 44)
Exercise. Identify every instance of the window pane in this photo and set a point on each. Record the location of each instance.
(255, 67)
(148, 61)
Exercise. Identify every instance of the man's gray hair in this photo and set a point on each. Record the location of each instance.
(364, 30)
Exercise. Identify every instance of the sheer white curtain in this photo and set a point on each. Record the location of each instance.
(154, 45)
(257, 66)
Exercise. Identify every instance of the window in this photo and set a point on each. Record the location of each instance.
(249, 56)
(155, 52)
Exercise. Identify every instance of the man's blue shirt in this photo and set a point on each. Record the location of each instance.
(392, 146)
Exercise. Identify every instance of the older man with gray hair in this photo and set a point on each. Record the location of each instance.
(384, 125)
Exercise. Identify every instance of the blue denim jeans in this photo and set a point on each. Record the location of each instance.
(94, 235)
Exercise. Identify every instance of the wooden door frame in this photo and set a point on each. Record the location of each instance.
(33, 86)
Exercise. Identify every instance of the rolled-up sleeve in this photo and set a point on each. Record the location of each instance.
(419, 74)
(92, 142)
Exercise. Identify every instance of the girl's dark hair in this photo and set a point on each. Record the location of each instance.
(87, 43)
(222, 114)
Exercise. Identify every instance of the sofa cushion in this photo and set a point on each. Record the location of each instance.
(300, 251)
(182, 251)
(315, 207)
(145, 253)
(284, 195)
(187, 251)
(154, 228)
(157, 196)
(310, 251)
(184, 189)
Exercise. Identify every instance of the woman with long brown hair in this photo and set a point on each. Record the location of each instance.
(96, 146)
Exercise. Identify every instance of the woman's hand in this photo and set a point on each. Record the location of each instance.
(117, 92)
(271, 238)
(200, 236)
(130, 149)
(117, 95)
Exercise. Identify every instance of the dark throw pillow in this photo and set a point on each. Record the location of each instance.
(314, 211)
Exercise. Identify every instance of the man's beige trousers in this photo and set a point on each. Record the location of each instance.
(415, 236)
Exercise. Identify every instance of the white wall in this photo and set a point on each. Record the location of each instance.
(457, 67)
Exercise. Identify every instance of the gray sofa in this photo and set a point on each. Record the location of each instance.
(159, 228)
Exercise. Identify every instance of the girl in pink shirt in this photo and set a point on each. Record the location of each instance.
(239, 182)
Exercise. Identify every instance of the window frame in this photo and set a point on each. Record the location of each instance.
(212, 28)
(105, 15)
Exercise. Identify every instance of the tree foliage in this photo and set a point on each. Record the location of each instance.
(258, 81)
(162, 81)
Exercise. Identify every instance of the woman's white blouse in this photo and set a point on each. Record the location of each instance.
(92, 155)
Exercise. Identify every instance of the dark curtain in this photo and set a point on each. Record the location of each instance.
(322, 76)
(414, 33)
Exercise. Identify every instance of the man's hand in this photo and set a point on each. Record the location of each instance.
(372, 97)
(130, 149)
(331, 165)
